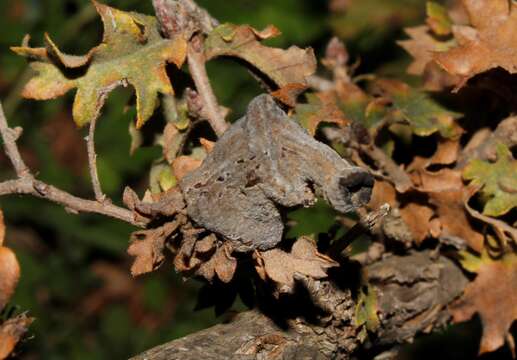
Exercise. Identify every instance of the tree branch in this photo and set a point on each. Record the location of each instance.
(185, 18)
(27, 184)
(9, 137)
(407, 287)
(92, 163)
(72, 204)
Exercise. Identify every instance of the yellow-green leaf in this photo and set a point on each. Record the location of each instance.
(416, 108)
(132, 52)
(498, 181)
(320, 107)
(366, 310)
(438, 19)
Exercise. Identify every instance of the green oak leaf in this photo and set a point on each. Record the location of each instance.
(132, 52)
(498, 181)
(419, 111)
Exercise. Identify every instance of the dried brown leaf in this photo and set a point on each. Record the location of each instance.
(447, 194)
(422, 46)
(9, 268)
(11, 332)
(148, 246)
(183, 165)
(304, 258)
(493, 295)
(383, 192)
(222, 264)
(417, 217)
(488, 43)
(283, 67)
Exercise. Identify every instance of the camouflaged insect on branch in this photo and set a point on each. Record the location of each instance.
(263, 162)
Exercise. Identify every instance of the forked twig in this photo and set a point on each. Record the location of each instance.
(27, 184)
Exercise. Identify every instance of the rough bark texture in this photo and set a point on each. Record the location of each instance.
(263, 161)
(413, 294)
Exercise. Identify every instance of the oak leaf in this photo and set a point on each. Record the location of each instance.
(488, 43)
(418, 110)
(286, 68)
(446, 194)
(304, 258)
(222, 264)
(147, 246)
(498, 181)
(421, 46)
(320, 107)
(493, 295)
(130, 44)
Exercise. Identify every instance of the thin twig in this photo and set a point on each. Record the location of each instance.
(27, 184)
(73, 204)
(397, 175)
(9, 137)
(196, 64)
(92, 163)
(366, 224)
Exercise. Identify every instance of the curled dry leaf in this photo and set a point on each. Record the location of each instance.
(9, 274)
(183, 165)
(497, 181)
(222, 264)
(493, 295)
(131, 43)
(488, 43)
(9, 268)
(304, 258)
(320, 107)
(447, 194)
(11, 331)
(283, 67)
(148, 246)
(205, 257)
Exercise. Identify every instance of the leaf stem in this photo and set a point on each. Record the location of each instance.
(92, 163)
(196, 64)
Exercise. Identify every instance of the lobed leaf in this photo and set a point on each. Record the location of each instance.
(283, 67)
(488, 43)
(498, 181)
(493, 295)
(414, 107)
(132, 52)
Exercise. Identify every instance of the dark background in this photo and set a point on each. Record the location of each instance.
(75, 271)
